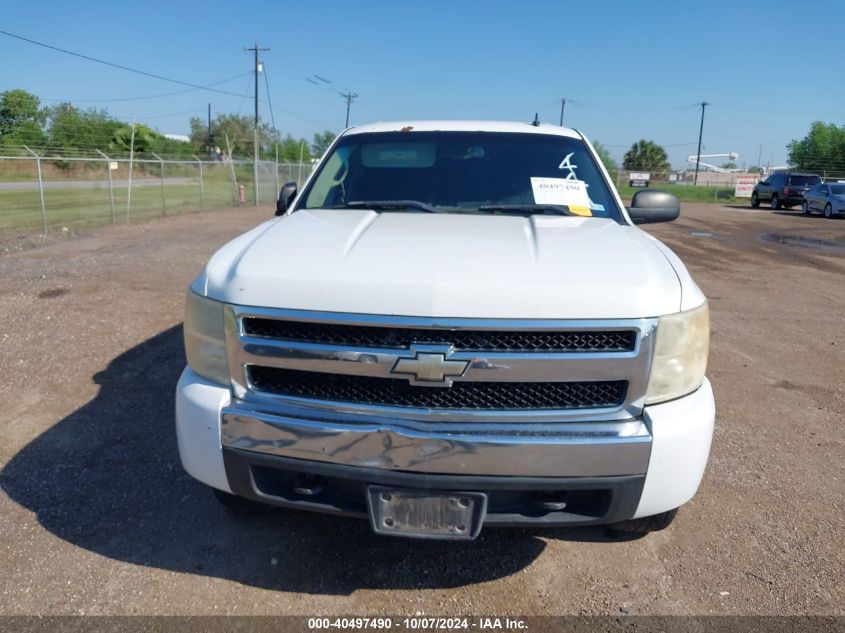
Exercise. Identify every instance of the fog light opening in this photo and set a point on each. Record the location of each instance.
(308, 485)
(551, 501)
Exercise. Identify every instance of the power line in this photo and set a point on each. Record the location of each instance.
(625, 107)
(661, 144)
(347, 94)
(156, 96)
(322, 124)
(192, 86)
(245, 94)
(119, 66)
(165, 116)
(269, 100)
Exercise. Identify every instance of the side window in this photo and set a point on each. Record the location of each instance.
(328, 189)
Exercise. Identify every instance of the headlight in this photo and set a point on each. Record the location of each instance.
(680, 355)
(205, 344)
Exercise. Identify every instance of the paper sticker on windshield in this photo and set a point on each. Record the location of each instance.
(572, 193)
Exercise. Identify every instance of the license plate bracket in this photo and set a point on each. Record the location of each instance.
(446, 515)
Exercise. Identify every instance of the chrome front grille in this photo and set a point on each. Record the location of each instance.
(503, 396)
(330, 365)
(464, 340)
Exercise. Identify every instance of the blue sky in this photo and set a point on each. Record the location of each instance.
(628, 70)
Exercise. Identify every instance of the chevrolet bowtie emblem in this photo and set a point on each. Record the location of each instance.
(430, 369)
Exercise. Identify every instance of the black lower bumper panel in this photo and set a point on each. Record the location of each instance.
(511, 501)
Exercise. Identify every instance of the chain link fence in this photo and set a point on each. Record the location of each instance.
(48, 193)
(709, 178)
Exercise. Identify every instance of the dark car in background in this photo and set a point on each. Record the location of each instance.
(827, 198)
(783, 189)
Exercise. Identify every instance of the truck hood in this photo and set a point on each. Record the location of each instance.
(446, 265)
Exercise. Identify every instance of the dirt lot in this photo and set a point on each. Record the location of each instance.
(97, 516)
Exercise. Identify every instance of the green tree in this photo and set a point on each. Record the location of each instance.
(239, 131)
(72, 130)
(609, 164)
(321, 142)
(146, 140)
(290, 150)
(199, 135)
(728, 165)
(22, 119)
(821, 150)
(646, 156)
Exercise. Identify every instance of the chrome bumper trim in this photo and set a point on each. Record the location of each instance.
(594, 449)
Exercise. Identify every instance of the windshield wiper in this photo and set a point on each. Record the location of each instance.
(385, 205)
(555, 209)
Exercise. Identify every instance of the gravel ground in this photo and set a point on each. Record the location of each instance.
(97, 516)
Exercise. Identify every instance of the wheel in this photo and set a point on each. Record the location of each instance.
(775, 202)
(755, 201)
(239, 505)
(828, 211)
(643, 525)
(805, 208)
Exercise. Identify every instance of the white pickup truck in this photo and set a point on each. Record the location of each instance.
(453, 325)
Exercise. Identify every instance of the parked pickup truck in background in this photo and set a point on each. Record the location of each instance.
(453, 325)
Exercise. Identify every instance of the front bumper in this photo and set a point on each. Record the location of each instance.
(605, 471)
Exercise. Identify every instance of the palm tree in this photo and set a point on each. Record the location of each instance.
(646, 156)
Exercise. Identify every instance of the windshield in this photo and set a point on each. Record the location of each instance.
(471, 172)
(837, 189)
(804, 181)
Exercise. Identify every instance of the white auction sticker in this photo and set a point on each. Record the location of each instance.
(572, 193)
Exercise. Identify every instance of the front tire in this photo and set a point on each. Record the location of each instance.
(828, 211)
(755, 201)
(805, 208)
(775, 202)
(643, 525)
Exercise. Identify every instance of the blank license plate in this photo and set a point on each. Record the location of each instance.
(426, 514)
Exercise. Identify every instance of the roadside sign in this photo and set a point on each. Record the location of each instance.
(745, 185)
(113, 165)
(639, 178)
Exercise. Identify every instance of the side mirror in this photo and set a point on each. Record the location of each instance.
(650, 205)
(286, 196)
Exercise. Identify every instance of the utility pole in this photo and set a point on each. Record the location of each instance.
(350, 97)
(759, 158)
(703, 105)
(209, 136)
(255, 49)
(562, 106)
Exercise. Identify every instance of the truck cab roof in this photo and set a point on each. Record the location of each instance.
(464, 126)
